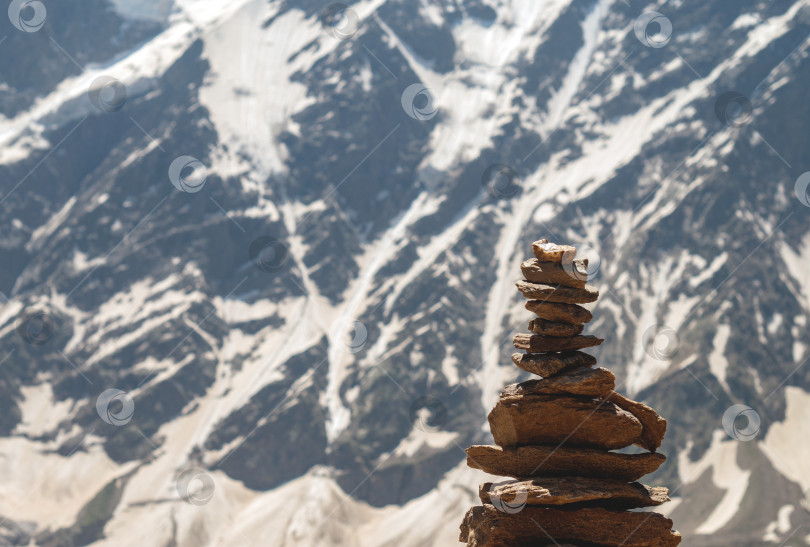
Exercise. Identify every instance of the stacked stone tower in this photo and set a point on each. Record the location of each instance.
(556, 435)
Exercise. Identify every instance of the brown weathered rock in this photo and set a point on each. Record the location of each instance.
(534, 343)
(552, 311)
(611, 493)
(552, 419)
(486, 526)
(587, 382)
(573, 274)
(557, 293)
(549, 364)
(531, 461)
(551, 252)
(553, 328)
(654, 427)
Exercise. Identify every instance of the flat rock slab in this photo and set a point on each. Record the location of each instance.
(549, 364)
(572, 274)
(654, 427)
(486, 526)
(535, 343)
(551, 252)
(553, 419)
(532, 461)
(557, 293)
(609, 493)
(553, 311)
(553, 328)
(587, 382)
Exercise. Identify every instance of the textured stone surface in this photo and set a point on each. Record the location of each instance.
(549, 419)
(654, 427)
(486, 526)
(573, 274)
(531, 461)
(553, 328)
(551, 252)
(610, 493)
(535, 343)
(549, 364)
(567, 313)
(588, 382)
(557, 293)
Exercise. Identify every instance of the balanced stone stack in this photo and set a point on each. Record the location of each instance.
(556, 435)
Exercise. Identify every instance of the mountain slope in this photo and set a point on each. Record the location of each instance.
(305, 338)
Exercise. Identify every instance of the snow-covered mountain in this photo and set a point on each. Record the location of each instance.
(258, 257)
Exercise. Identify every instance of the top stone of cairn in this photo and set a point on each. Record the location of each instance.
(551, 252)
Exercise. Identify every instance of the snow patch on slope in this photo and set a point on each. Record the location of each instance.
(721, 457)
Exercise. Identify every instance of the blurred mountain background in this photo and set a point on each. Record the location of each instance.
(258, 256)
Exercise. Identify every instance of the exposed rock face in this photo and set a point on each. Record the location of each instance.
(566, 490)
(550, 419)
(554, 434)
(557, 293)
(486, 526)
(536, 343)
(553, 461)
(566, 313)
(548, 364)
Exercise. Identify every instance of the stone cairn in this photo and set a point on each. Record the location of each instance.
(555, 435)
